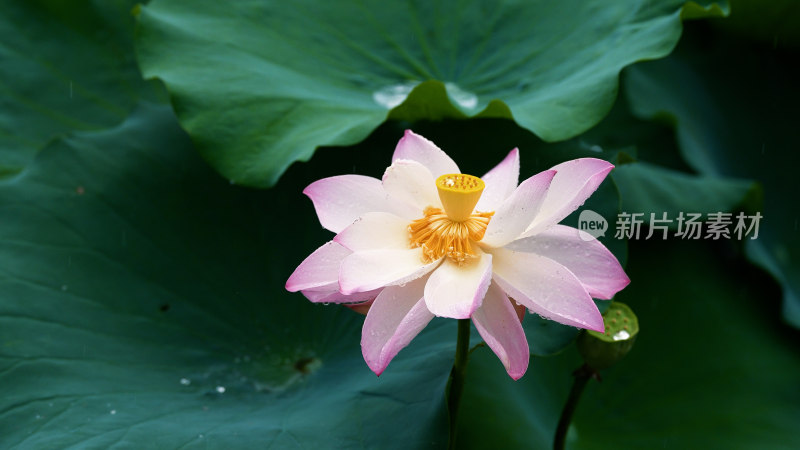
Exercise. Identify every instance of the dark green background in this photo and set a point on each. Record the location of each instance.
(135, 281)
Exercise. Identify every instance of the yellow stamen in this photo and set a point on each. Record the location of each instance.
(439, 235)
(452, 232)
(459, 194)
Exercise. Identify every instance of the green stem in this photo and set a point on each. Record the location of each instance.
(582, 376)
(457, 377)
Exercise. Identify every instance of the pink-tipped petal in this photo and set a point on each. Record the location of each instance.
(393, 320)
(500, 182)
(546, 288)
(373, 231)
(415, 147)
(517, 212)
(457, 291)
(574, 182)
(320, 269)
(498, 324)
(342, 199)
(596, 267)
(412, 183)
(331, 294)
(373, 269)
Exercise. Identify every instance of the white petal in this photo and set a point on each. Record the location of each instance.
(373, 269)
(457, 291)
(547, 288)
(498, 324)
(412, 183)
(517, 212)
(574, 182)
(319, 269)
(393, 320)
(500, 182)
(341, 200)
(415, 147)
(596, 267)
(373, 231)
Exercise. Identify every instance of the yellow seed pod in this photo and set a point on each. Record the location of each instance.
(459, 194)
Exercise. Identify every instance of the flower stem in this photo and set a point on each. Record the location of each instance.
(582, 376)
(456, 385)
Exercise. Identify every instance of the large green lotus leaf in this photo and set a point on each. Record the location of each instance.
(733, 105)
(711, 368)
(261, 84)
(66, 66)
(142, 305)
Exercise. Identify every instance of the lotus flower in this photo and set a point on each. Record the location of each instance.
(429, 241)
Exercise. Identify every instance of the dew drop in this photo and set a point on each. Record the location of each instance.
(391, 96)
(186, 381)
(221, 389)
(465, 99)
(621, 335)
(112, 412)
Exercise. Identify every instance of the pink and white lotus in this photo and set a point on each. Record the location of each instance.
(429, 241)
